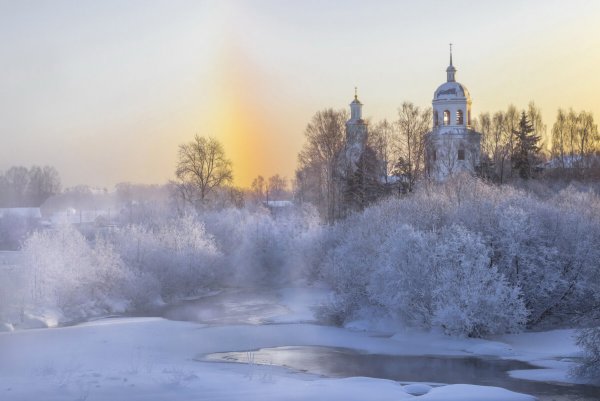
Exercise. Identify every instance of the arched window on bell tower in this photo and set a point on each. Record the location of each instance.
(436, 122)
(459, 117)
(446, 117)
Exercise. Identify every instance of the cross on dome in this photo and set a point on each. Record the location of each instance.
(451, 71)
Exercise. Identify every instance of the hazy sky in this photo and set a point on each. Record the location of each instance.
(106, 90)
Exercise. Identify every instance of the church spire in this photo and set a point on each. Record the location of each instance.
(355, 107)
(450, 71)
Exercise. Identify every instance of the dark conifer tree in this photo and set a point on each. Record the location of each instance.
(526, 148)
(364, 186)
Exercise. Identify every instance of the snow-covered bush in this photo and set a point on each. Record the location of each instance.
(260, 249)
(174, 260)
(470, 296)
(79, 278)
(419, 278)
(404, 280)
(548, 247)
(522, 253)
(589, 341)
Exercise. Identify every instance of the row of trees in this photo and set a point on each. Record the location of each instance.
(511, 147)
(571, 151)
(399, 145)
(274, 188)
(500, 140)
(28, 187)
(575, 149)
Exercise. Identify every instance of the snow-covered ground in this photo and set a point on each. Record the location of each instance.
(158, 359)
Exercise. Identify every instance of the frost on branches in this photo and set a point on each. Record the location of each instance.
(464, 256)
(589, 341)
(471, 258)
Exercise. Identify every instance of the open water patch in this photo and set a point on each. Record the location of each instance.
(432, 369)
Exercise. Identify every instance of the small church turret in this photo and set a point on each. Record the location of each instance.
(358, 174)
(356, 127)
(355, 107)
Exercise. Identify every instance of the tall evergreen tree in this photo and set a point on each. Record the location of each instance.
(363, 186)
(526, 148)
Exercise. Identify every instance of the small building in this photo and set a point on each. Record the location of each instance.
(279, 207)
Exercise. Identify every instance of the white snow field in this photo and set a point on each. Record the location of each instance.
(159, 359)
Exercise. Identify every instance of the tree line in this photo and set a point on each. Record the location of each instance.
(28, 187)
(514, 146)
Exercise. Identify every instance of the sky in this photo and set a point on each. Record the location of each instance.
(105, 91)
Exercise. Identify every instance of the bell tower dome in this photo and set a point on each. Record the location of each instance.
(451, 101)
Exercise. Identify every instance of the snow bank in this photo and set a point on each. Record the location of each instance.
(465, 392)
(156, 359)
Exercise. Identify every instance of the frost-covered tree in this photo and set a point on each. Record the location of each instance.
(177, 259)
(277, 187)
(589, 341)
(413, 124)
(80, 278)
(258, 188)
(404, 278)
(471, 297)
(202, 167)
(315, 174)
(381, 266)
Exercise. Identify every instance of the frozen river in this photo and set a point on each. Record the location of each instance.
(243, 308)
(343, 362)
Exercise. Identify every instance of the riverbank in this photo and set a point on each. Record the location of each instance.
(154, 358)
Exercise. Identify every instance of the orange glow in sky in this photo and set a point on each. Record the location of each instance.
(239, 117)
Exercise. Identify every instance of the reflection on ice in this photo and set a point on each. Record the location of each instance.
(434, 370)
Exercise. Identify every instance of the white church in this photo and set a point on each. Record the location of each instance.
(452, 146)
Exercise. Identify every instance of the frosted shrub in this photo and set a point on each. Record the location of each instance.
(403, 280)
(177, 259)
(548, 247)
(349, 266)
(259, 249)
(261, 254)
(421, 279)
(589, 341)
(471, 298)
(68, 272)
